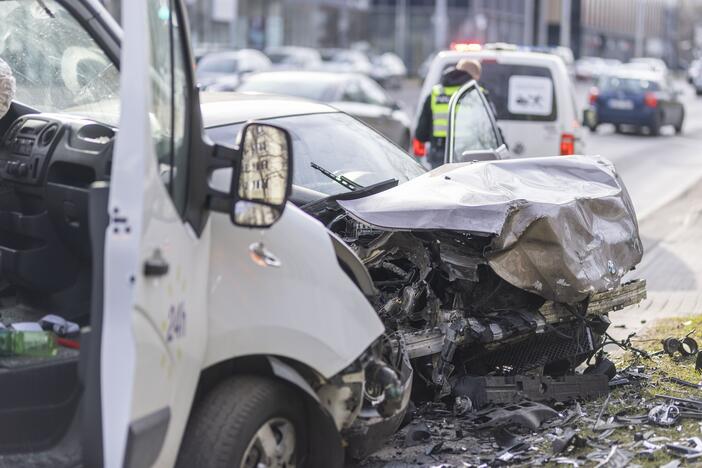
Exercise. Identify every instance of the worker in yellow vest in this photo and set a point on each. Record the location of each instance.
(433, 121)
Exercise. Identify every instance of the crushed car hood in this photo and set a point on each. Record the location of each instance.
(562, 228)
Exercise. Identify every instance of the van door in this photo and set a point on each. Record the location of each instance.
(525, 101)
(156, 261)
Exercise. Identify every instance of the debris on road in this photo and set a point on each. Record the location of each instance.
(652, 419)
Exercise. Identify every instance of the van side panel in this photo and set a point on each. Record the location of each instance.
(306, 309)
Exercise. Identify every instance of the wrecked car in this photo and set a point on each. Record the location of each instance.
(484, 266)
(160, 304)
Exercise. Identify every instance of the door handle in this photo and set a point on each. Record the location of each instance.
(262, 256)
(156, 265)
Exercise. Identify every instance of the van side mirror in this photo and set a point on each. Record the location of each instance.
(262, 178)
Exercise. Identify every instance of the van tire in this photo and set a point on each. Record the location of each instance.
(224, 424)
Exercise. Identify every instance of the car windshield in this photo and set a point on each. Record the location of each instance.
(340, 144)
(302, 86)
(611, 83)
(56, 63)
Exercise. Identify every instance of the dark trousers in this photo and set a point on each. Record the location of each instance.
(436, 156)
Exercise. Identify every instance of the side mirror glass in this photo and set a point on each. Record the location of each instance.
(263, 179)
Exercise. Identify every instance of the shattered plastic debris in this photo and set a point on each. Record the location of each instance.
(689, 449)
(416, 434)
(527, 414)
(616, 457)
(686, 346)
(664, 415)
(493, 389)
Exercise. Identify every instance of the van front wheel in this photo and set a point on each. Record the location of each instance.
(246, 422)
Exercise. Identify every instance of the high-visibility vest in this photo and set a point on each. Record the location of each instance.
(440, 98)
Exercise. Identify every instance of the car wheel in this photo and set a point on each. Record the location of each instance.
(654, 129)
(698, 92)
(619, 128)
(679, 125)
(246, 422)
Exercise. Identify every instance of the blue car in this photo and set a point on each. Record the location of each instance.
(635, 98)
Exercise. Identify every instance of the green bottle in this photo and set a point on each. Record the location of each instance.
(27, 343)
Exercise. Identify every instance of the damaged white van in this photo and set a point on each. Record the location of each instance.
(200, 344)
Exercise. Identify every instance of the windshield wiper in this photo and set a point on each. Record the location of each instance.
(339, 179)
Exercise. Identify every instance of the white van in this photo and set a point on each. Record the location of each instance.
(532, 96)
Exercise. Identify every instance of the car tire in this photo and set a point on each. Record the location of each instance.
(618, 128)
(654, 129)
(679, 125)
(227, 427)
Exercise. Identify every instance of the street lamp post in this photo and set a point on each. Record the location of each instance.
(565, 22)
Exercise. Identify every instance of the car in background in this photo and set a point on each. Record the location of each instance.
(294, 58)
(587, 68)
(693, 70)
(565, 53)
(532, 95)
(628, 97)
(345, 61)
(655, 65)
(353, 93)
(389, 70)
(222, 71)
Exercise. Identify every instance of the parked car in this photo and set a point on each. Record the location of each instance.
(294, 58)
(565, 53)
(642, 99)
(451, 251)
(346, 61)
(222, 71)
(533, 98)
(212, 323)
(587, 68)
(388, 70)
(352, 93)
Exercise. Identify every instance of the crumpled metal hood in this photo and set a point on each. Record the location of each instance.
(562, 227)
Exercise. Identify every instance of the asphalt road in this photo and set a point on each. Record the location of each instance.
(662, 175)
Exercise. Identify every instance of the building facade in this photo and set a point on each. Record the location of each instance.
(416, 28)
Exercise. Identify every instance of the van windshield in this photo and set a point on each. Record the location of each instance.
(56, 63)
